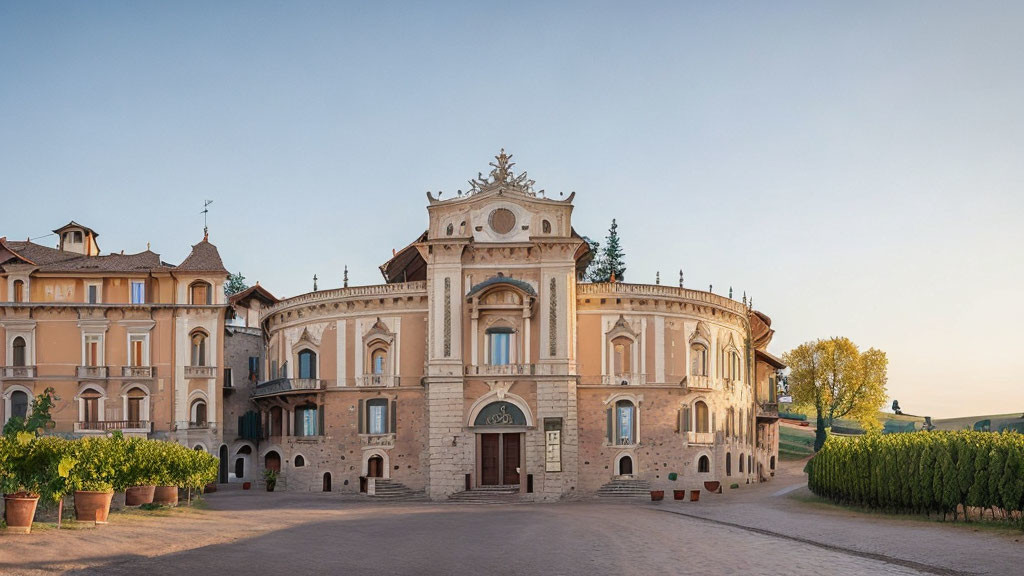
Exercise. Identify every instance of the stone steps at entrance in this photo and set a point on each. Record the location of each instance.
(625, 488)
(396, 492)
(487, 495)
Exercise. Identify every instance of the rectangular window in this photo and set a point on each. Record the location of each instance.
(92, 409)
(254, 368)
(309, 422)
(93, 291)
(625, 424)
(273, 369)
(378, 418)
(229, 381)
(134, 409)
(93, 350)
(499, 343)
(138, 292)
(138, 351)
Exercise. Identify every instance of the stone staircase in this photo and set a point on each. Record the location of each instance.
(396, 492)
(625, 488)
(487, 495)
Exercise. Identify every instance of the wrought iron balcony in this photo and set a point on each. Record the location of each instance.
(380, 380)
(92, 372)
(16, 372)
(105, 425)
(281, 385)
(138, 371)
(200, 371)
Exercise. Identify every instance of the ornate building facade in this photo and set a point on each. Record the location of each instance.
(128, 342)
(484, 362)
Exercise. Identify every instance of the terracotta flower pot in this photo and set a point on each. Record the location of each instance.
(712, 486)
(166, 495)
(657, 495)
(139, 495)
(246, 485)
(19, 510)
(270, 487)
(694, 495)
(679, 494)
(92, 506)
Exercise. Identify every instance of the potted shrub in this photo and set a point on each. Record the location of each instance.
(657, 495)
(246, 485)
(166, 454)
(679, 494)
(31, 468)
(694, 495)
(140, 472)
(270, 475)
(99, 461)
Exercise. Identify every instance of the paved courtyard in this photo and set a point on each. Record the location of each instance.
(769, 529)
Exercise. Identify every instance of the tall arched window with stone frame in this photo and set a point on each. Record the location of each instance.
(501, 311)
(623, 422)
(378, 416)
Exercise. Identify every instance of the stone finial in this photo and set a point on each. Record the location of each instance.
(744, 297)
(344, 278)
(711, 288)
(680, 277)
(612, 279)
(657, 277)
(314, 283)
(730, 292)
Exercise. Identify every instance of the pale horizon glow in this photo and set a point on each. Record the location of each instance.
(856, 167)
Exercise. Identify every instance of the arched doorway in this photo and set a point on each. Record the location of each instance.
(375, 467)
(327, 481)
(223, 455)
(272, 461)
(626, 466)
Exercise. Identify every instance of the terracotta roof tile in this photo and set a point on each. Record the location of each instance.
(204, 258)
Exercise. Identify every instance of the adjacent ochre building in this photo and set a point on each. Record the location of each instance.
(127, 341)
(484, 362)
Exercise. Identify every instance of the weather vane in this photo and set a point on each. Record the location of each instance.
(206, 210)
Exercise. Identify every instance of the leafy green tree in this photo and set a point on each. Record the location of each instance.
(40, 418)
(235, 284)
(835, 379)
(611, 260)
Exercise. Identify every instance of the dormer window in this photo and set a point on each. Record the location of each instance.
(200, 293)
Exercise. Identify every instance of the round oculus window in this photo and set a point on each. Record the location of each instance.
(502, 220)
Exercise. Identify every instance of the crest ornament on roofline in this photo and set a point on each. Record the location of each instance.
(502, 175)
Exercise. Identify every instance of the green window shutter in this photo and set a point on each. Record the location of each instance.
(611, 422)
(362, 416)
(686, 419)
(394, 416)
(320, 413)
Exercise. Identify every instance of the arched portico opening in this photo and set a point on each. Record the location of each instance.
(500, 425)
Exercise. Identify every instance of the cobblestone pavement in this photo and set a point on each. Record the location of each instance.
(750, 531)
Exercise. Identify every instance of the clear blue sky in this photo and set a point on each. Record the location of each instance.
(856, 167)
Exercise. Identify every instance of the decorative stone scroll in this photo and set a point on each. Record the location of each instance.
(553, 319)
(500, 414)
(447, 317)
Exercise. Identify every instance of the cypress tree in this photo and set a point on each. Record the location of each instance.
(611, 260)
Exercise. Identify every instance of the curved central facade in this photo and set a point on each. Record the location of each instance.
(484, 363)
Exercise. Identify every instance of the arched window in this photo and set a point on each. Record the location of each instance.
(625, 466)
(703, 465)
(306, 420)
(90, 406)
(327, 481)
(200, 293)
(19, 291)
(300, 461)
(19, 404)
(698, 360)
(622, 355)
(136, 399)
(239, 467)
(272, 461)
(741, 463)
(750, 463)
(728, 464)
(307, 364)
(734, 365)
(198, 413)
(499, 341)
(379, 360)
(19, 351)
(198, 349)
(700, 417)
(449, 230)
(546, 227)
(377, 416)
(625, 423)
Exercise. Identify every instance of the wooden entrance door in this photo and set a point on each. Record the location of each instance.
(489, 459)
(375, 467)
(510, 444)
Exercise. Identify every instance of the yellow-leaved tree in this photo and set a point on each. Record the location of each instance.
(837, 380)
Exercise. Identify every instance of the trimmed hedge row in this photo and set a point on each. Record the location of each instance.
(922, 471)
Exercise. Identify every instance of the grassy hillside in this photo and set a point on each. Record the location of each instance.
(795, 442)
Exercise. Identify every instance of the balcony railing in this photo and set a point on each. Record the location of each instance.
(92, 372)
(510, 370)
(700, 437)
(106, 425)
(200, 371)
(768, 410)
(624, 379)
(700, 382)
(17, 372)
(380, 380)
(280, 385)
(378, 440)
(138, 371)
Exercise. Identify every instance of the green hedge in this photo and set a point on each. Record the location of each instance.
(922, 471)
(793, 416)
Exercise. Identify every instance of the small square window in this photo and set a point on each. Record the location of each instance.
(138, 292)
